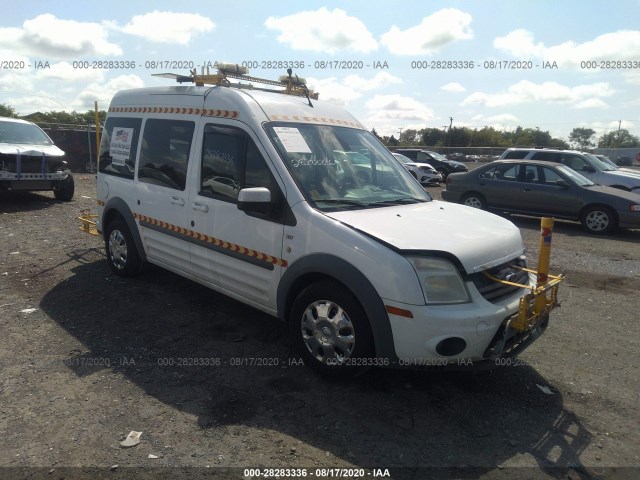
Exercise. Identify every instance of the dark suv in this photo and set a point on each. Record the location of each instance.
(442, 164)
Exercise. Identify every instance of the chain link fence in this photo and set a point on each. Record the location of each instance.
(78, 143)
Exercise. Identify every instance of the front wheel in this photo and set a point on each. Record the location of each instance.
(331, 331)
(65, 189)
(122, 255)
(598, 220)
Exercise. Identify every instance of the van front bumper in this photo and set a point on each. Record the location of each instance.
(477, 335)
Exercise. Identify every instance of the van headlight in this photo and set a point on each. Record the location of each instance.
(440, 280)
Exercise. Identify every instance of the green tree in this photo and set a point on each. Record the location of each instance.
(391, 141)
(618, 139)
(409, 137)
(582, 137)
(432, 136)
(7, 111)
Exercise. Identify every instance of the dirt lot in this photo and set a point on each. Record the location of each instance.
(87, 357)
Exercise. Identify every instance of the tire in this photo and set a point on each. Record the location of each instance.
(443, 172)
(65, 189)
(475, 200)
(598, 219)
(122, 254)
(331, 331)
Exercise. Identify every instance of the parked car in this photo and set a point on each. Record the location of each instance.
(29, 160)
(423, 172)
(611, 163)
(443, 165)
(545, 189)
(457, 156)
(584, 163)
(79, 145)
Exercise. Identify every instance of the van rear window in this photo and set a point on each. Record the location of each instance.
(118, 146)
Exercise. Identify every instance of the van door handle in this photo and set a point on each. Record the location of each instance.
(177, 201)
(200, 206)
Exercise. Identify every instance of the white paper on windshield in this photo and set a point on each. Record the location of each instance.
(120, 148)
(292, 140)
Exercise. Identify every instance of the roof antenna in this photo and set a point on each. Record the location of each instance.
(303, 85)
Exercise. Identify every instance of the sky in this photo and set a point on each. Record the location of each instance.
(394, 65)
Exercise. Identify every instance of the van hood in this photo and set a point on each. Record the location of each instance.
(29, 149)
(478, 239)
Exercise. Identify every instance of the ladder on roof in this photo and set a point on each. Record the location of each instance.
(289, 84)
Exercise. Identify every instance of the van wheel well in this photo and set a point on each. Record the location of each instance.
(110, 217)
(300, 284)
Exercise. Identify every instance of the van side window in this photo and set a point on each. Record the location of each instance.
(164, 156)
(118, 146)
(222, 154)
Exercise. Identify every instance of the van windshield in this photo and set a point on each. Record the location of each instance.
(340, 168)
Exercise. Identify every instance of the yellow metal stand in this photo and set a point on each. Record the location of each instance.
(536, 305)
(88, 223)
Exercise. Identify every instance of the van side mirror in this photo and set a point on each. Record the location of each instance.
(562, 183)
(254, 199)
(588, 169)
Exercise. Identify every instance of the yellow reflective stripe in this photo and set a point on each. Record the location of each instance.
(207, 112)
(215, 241)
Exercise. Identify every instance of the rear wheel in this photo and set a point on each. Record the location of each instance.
(474, 200)
(122, 254)
(65, 189)
(331, 331)
(598, 219)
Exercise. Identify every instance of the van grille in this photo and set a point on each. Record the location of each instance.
(493, 291)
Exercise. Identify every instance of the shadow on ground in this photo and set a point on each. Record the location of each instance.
(397, 419)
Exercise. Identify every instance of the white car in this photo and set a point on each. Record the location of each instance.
(29, 160)
(290, 205)
(424, 173)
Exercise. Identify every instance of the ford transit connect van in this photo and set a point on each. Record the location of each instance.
(250, 193)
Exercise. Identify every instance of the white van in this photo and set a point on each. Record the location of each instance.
(250, 193)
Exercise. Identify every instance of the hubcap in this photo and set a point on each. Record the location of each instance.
(597, 221)
(327, 332)
(473, 202)
(118, 249)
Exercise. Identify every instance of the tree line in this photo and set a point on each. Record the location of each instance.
(61, 117)
(581, 138)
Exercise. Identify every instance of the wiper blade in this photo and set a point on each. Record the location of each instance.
(400, 201)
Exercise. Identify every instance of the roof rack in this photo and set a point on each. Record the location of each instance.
(289, 84)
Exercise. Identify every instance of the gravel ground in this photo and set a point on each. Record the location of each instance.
(86, 357)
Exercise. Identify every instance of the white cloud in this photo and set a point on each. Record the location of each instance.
(323, 31)
(103, 92)
(434, 32)
(66, 72)
(581, 96)
(453, 87)
(351, 87)
(168, 27)
(503, 121)
(620, 45)
(387, 113)
(46, 35)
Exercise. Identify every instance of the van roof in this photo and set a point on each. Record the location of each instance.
(229, 102)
